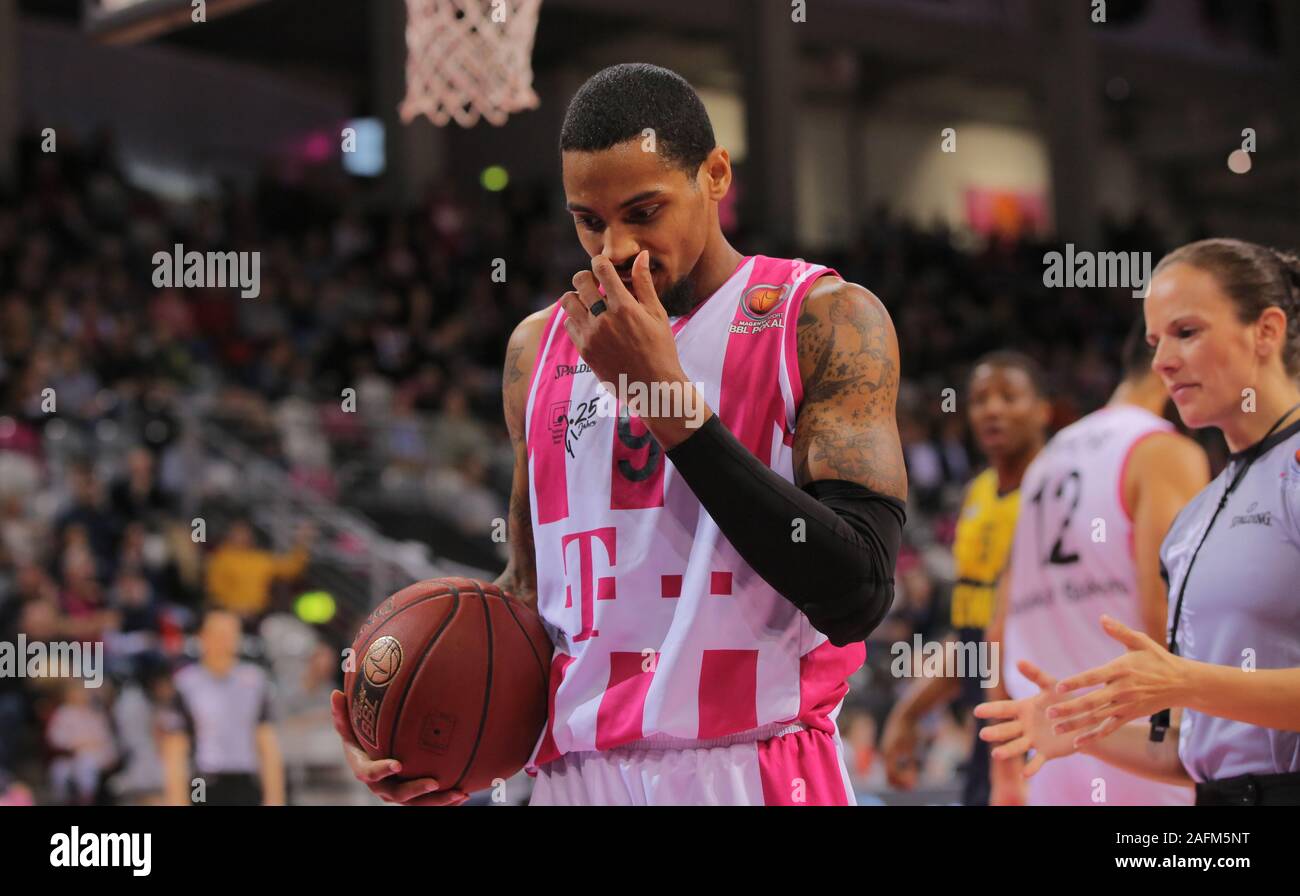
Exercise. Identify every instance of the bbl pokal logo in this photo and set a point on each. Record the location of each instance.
(761, 300)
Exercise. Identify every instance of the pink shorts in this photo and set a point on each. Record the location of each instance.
(780, 765)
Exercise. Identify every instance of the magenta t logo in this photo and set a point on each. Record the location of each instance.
(590, 587)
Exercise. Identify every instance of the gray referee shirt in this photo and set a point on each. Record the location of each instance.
(221, 715)
(1242, 603)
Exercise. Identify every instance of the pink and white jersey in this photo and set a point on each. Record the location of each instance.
(662, 632)
(1072, 561)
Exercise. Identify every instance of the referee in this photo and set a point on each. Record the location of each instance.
(1224, 318)
(219, 727)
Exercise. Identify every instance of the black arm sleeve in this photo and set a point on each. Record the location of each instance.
(841, 575)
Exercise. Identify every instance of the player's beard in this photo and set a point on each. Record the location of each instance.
(679, 298)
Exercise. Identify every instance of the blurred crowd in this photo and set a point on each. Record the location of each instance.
(368, 370)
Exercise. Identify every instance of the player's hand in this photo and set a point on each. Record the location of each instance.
(898, 747)
(1024, 724)
(378, 774)
(1145, 680)
(632, 335)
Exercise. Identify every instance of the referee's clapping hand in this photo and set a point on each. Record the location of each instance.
(380, 774)
(1144, 679)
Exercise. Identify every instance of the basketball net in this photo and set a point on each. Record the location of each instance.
(467, 59)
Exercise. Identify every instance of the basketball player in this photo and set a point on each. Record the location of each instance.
(1009, 414)
(1223, 317)
(1100, 497)
(707, 566)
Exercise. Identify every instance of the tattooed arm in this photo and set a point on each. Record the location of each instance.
(520, 576)
(848, 360)
(848, 496)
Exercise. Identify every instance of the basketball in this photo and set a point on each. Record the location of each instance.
(449, 678)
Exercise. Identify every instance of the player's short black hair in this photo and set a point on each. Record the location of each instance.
(1020, 361)
(618, 103)
(1137, 354)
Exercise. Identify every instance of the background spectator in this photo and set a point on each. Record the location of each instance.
(240, 574)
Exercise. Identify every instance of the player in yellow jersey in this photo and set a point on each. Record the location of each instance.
(1009, 414)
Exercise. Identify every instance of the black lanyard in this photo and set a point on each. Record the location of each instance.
(1161, 720)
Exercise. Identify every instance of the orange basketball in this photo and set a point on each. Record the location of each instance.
(450, 678)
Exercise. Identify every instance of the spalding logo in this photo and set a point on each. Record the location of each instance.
(383, 659)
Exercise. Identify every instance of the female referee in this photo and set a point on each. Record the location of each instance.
(1224, 318)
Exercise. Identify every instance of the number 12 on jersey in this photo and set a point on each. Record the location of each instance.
(1071, 483)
